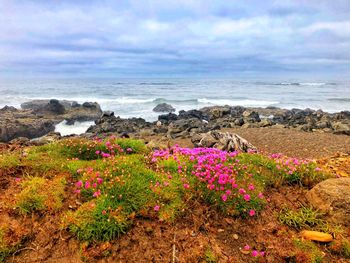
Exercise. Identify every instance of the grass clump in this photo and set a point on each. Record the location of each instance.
(85, 149)
(308, 251)
(305, 217)
(210, 256)
(40, 194)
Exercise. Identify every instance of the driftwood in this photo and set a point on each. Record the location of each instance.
(222, 140)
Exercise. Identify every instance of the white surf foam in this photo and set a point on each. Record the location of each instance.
(76, 128)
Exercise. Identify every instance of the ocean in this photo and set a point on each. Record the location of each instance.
(137, 97)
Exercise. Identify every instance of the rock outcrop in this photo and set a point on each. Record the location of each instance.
(332, 197)
(39, 117)
(163, 107)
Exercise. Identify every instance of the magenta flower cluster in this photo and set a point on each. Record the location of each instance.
(217, 169)
(92, 182)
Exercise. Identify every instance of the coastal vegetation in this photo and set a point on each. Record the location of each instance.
(98, 190)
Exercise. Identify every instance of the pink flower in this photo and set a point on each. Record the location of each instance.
(224, 197)
(241, 191)
(186, 186)
(251, 212)
(261, 195)
(79, 184)
(97, 193)
(104, 212)
(246, 197)
(87, 185)
(246, 247)
(318, 169)
(99, 180)
(97, 152)
(156, 208)
(17, 179)
(251, 187)
(262, 253)
(255, 253)
(94, 185)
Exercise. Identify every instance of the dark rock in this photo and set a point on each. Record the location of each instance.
(116, 124)
(75, 104)
(163, 107)
(251, 116)
(25, 127)
(216, 112)
(167, 117)
(8, 108)
(108, 114)
(190, 114)
(91, 105)
(239, 122)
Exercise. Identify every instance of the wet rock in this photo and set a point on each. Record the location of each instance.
(223, 141)
(190, 114)
(168, 117)
(163, 107)
(332, 197)
(116, 124)
(107, 114)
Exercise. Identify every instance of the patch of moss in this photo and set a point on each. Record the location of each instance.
(40, 194)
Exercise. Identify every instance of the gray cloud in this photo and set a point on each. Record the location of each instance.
(183, 37)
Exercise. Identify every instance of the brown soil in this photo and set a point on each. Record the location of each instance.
(296, 143)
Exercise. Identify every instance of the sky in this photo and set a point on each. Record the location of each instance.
(174, 38)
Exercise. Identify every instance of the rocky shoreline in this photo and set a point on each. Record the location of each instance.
(188, 123)
(39, 117)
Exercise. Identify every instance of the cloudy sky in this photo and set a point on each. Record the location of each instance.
(174, 38)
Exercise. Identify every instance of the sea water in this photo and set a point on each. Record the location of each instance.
(137, 97)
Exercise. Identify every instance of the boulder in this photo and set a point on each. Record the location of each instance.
(27, 127)
(192, 114)
(332, 197)
(167, 117)
(163, 107)
(223, 141)
(266, 123)
(251, 116)
(116, 124)
(341, 128)
(216, 112)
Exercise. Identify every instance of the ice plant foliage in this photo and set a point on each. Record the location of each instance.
(219, 174)
(124, 181)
